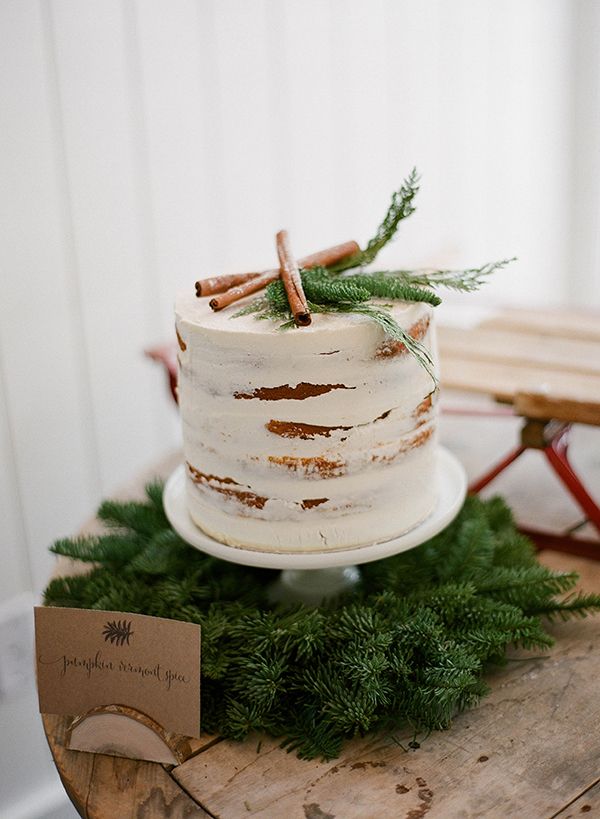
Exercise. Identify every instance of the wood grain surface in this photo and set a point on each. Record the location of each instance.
(531, 750)
(503, 381)
(521, 754)
(560, 323)
(587, 805)
(521, 347)
(552, 357)
(108, 787)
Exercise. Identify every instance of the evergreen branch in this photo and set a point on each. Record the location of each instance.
(400, 208)
(409, 647)
(336, 292)
(384, 286)
(76, 591)
(578, 604)
(348, 295)
(465, 281)
(154, 492)
(320, 288)
(141, 518)
(403, 285)
(521, 585)
(110, 548)
(384, 319)
(277, 298)
(471, 553)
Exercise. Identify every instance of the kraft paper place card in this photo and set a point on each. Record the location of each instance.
(87, 659)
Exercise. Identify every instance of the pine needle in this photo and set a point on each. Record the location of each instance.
(408, 647)
(465, 281)
(385, 286)
(384, 319)
(400, 208)
(328, 292)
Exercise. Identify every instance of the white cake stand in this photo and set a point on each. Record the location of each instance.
(310, 577)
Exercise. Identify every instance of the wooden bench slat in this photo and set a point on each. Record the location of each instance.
(533, 405)
(574, 324)
(512, 347)
(504, 381)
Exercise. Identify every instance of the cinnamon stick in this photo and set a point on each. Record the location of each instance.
(246, 289)
(290, 276)
(328, 256)
(219, 284)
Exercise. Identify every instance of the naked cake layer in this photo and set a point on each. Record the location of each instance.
(318, 438)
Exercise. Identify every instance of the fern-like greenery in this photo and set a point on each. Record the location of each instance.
(386, 286)
(409, 647)
(400, 208)
(463, 281)
(329, 292)
(392, 330)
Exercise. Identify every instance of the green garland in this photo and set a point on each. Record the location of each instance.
(329, 292)
(407, 649)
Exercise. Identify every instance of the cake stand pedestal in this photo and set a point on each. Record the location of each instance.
(313, 576)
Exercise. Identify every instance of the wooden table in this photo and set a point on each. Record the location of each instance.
(531, 750)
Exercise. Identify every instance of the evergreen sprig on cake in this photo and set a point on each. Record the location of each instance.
(323, 284)
(408, 648)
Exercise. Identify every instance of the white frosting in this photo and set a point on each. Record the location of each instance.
(310, 438)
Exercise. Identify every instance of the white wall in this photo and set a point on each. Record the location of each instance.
(146, 142)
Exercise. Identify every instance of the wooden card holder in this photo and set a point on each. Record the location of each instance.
(118, 730)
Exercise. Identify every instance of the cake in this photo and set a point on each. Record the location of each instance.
(311, 439)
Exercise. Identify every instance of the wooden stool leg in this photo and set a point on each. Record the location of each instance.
(478, 485)
(557, 454)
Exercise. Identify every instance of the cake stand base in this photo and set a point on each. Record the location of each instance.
(313, 576)
(313, 586)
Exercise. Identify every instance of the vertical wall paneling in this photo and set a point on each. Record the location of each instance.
(358, 47)
(545, 79)
(175, 117)
(143, 144)
(215, 161)
(584, 252)
(507, 161)
(15, 575)
(302, 141)
(281, 116)
(153, 293)
(502, 196)
(464, 140)
(158, 278)
(43, 357)
(100, 139)
(244, 109)
(529, 141)
(415, 43)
